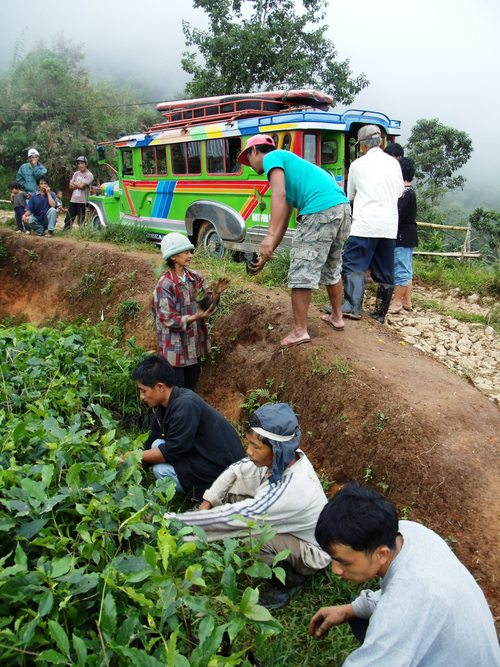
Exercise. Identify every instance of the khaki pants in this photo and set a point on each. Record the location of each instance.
(278, 543)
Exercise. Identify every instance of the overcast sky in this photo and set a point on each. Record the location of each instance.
(427, 59)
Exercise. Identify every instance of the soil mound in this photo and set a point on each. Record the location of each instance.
(370, 408)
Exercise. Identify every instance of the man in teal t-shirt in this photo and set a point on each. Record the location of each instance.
(323, 226)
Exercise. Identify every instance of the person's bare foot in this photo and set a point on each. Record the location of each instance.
(294, 339)
(337, 324)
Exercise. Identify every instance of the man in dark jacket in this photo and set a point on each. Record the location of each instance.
(190, 441)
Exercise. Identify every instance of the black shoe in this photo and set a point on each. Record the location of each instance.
(273, 597)
(277, 595)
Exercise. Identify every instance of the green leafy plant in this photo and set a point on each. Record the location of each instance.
(368, 476)
(91, 571)
(33, 256)
(382, 421)
(127, 311)
(254, 398)
(322, 369)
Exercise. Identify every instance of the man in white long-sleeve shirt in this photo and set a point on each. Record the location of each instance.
(429, 610)
(275, 485)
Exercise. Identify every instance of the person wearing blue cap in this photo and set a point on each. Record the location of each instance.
(274, 485)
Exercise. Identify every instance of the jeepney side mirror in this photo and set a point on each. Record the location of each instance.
(101, 155)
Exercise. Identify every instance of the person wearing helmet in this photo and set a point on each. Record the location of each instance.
(30, 171)
(80, 187)
(323, 225)
(274, 486)
(182, 301)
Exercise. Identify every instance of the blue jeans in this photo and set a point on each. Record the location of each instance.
(47, 222)
(403, 265)
(161, 470)
(377, 254)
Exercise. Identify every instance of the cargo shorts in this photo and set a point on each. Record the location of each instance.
(316, 255)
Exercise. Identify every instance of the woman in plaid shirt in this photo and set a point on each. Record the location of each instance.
(180, 323)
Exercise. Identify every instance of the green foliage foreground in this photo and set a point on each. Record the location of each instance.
(91, 573)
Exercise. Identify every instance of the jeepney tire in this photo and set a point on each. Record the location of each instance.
(209, 239)
(94, 222)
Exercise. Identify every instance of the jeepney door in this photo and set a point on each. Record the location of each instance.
(332, 155)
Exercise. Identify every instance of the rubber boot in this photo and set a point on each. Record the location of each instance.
(354, 292)
(384, 296)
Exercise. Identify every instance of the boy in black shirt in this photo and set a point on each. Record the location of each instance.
(190, 441)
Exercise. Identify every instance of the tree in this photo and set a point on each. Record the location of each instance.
(265, 45)
(487, 223)
(438, 152)
(48, 101)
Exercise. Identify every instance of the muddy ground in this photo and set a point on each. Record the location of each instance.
(370, 408)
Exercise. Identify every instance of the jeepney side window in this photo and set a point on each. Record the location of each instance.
(161, 159)
(287, 142)
(329, 151)
(310, 148)
(276, 140)
(127, 164)
(178, 155)
(215, 156)
(194, 157)
(148, 160)
(233, 148)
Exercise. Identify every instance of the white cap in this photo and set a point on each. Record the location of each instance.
(174, 243)
(33, 151)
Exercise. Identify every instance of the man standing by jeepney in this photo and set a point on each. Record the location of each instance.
(374, 185)
(323, 225)
(79, 186)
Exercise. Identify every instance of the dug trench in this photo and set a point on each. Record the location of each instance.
(370, 408)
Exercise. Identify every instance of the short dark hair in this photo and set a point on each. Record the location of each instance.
(41, 178)
(394, 150)
(154, 369)
(358, 517)
(263, 148)
(407, 169)
(15, 186)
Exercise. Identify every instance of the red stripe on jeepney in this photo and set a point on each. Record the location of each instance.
(126, 187)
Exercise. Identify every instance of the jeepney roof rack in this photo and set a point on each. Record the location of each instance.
(231, 107)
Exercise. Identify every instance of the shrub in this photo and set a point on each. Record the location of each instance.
(91, 572)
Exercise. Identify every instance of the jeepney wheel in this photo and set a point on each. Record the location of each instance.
(209, 240)
(92, 220)
(95, 222)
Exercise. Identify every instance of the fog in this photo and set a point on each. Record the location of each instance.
(432, 59)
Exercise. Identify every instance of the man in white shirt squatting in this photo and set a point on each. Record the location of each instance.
(274, 485)
(429, 610)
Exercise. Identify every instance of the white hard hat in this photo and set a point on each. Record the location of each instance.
(33, 151)
(174, 243)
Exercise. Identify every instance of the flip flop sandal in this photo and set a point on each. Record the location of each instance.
(300, 341)
(326, 319)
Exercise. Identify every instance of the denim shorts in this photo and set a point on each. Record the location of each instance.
(316, 255)
(403, 265)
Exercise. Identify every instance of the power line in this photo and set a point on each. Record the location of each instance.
(78, 108)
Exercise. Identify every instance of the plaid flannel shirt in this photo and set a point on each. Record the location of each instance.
(173, 302)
